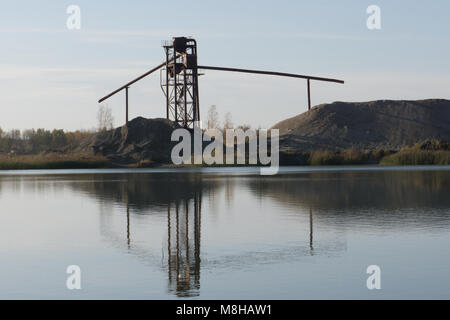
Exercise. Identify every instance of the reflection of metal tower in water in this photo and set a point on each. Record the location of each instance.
(311, 230)
(184, 227)
(179, 81)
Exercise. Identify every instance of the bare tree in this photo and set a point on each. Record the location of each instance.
(213, 118)
(14, 134)
(105, 118)
(228, 122)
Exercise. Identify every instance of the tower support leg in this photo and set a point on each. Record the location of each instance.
(126, 105)
(309, 95)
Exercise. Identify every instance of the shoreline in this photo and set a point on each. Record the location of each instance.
(416, 155)
(84, 165)
(227, 172)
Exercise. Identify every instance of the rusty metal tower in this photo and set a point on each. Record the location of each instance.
(179, 81)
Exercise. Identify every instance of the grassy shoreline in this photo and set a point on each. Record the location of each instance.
(52, 161)
(426, 153)
(417, 158)
(416, 155)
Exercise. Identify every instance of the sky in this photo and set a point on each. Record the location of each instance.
(52, 77)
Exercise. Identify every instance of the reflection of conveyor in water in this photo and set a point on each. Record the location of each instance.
(183, 262)
(183, 247)
(386, 199)
(311, 231)
(125, 243)
(178, 202)
(294, 252)
(183, 244)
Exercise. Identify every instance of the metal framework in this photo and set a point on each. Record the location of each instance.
(179, 81)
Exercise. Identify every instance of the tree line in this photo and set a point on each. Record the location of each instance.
(34, 141)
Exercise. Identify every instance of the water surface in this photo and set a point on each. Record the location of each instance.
(307, 233)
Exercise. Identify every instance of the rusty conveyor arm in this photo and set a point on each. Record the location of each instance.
(271, 73)
(133, 81)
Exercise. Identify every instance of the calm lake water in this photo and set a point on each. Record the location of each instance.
(307, 233)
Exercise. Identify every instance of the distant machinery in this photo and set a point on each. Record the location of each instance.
(179, 81)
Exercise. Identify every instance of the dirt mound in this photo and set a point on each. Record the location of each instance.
(384, 124)
(140, 140)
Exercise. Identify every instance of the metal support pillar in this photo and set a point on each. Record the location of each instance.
(126, 105)
(309, 94)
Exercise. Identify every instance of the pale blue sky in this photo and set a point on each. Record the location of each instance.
(52, 77)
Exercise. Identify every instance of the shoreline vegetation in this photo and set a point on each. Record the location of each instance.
(139, 145)
(52, 161)
(427, 153)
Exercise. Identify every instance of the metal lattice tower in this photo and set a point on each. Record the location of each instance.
(179, 81)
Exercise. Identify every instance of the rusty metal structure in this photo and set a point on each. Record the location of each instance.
(179, 81)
